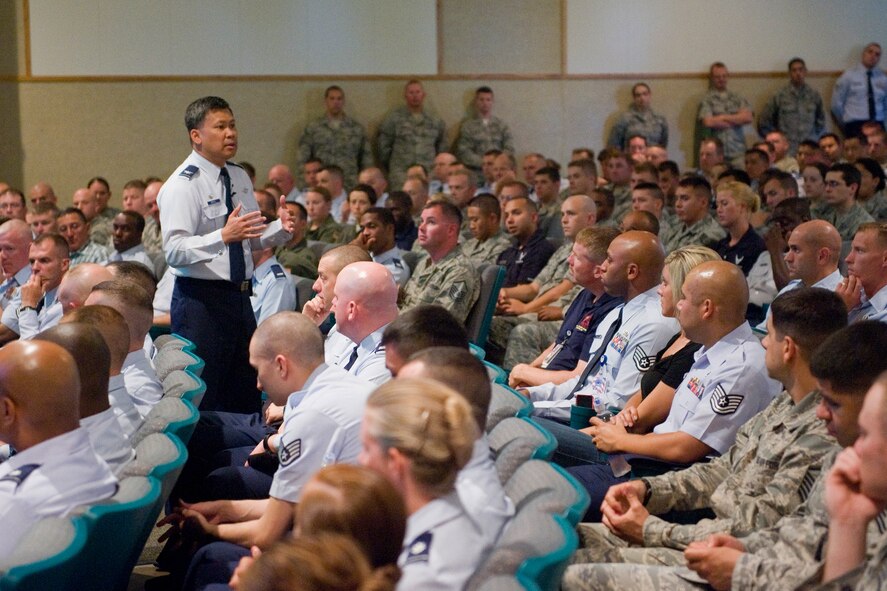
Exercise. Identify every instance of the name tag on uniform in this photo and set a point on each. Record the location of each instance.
(213, 201)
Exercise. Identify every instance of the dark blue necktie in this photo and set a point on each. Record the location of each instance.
(595, 359)
(352, 359)
(871, 96)
(235, 249)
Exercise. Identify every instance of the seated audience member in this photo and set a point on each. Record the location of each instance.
(445, 277)
(364, 304)
(603, 204)
(726, 385)
(139, 274)
(694, 224)
(420, 434)
(669, 175)
(765, 475)
(127, 230)
(478, 484)
(324, 410)
(151, 236)
(639, 221)
(72, 225)
(36, 307)
(360, 199)
(814, 248)
(377, 237)
(42, 192)
(99, 225)
(630, 333)
(853, 148)
(295, 254)
(43, 218)
(418, 329)
(78, 283)
(856, 496)
(650, 405)
(93, 358)
(343, 499)
(134, 303)
(871, 188)
(115, 332)
(331, 264)
(55, 468)
(864, 291)
(375, 178)
(322, 226)
(742, 246)
(843, 212)
(813, 175)
(273, 287)
(405, 229)
(567, 355)
(12, 203)
(332, 178)
(15, 246)
(322, 562)
(582, 177)
(530, 251)
(650, 198)
(547, 184)
(790, 551)
(487, 240)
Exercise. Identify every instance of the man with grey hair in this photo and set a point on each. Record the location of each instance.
(15, 241)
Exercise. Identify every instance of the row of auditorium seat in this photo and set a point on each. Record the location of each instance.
(97, 546)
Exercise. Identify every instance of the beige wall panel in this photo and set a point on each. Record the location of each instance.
(501, 37)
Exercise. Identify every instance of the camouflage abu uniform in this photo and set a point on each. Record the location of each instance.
(100, 230)
(622, 202)
(478, 136)
(406, 138)
(705, 232)
(647, 123)
(721, 103)
(846, 223)
(552, 274)
(780, 557)
(452, 282)
(870, 576)
(550, 220)
(876, 205)
(766, 474)
(488, 250)
(328, 231)
(151, 238)
(797, 111)
(342, 142)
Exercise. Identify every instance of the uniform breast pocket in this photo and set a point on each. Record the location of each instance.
(686, 404)
(214, 208)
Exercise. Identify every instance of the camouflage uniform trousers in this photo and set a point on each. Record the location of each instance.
(528, 338)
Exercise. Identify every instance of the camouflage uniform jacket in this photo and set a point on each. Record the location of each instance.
(452, 282)
(706, 232)
(343, 143)
(406, 139)
(550, 220)
(298, 258)
(555, 270)
(477, 136)
(488, 250)
(765, 474)
(785, 555)
(649, 124)
(721, 103)
(151, 237)
(622, 205)
(846, 223)
(100, 230)
(328, 231)
(797, 111)
(870, 576)
(876, 206)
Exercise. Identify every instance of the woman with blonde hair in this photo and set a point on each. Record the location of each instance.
(736, 202)
(419, 434)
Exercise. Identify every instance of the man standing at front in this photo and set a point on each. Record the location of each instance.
(211, 222)
(860, 93)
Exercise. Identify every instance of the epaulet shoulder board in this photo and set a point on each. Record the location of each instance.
(278, 271)
(190, 171)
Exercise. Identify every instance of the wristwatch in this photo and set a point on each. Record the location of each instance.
(23, 308)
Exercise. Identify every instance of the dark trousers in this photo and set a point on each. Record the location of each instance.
(219, 319)
(213, 565)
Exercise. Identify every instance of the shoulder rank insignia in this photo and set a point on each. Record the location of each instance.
(420, 548)
(289, 452)
(457, 290)
(642, 361)
(397, 263)
(190, 172)
(278, 271)
(723, 403)
(19, 476)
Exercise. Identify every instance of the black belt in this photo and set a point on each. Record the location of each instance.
(240, 287)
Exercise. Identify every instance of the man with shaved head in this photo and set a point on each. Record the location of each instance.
(78, 282)
(93, 360)
(331, 263)
(134, 303)
(726, 386)
(42, 193)
(15, 243)
(365, 303)
(55, 468)
(282, 176)
(114, 330)
(814, 249)
(151, 238)
(627, 339)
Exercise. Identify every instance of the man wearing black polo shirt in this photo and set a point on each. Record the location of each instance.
(530, 252)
